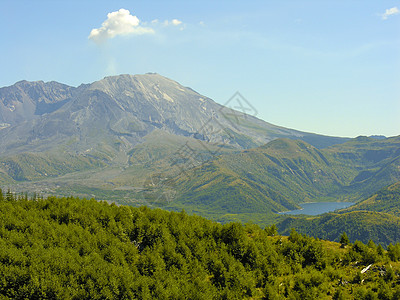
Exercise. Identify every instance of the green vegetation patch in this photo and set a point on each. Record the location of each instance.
(66, 248)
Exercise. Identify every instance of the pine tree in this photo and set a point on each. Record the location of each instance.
(344, 239)
(271, 231)
(380, 250)
(9, 195)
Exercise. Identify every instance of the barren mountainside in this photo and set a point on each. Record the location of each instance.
(37, 116)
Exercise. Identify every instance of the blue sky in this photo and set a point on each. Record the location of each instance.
(329, 67)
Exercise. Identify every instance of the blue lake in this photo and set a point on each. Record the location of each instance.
(317, 208)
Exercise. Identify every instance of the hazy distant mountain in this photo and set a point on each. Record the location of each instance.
(116, 113)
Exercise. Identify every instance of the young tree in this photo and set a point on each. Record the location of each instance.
(344, 239)
(9, 195)
(380, 250)
(271, 231)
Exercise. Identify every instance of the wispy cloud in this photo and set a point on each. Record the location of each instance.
(390, 12)
(119, 22)
(174, 22)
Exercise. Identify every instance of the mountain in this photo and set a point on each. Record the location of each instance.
(146, 139)
(284, 172)
(115, 114)
(120, 133)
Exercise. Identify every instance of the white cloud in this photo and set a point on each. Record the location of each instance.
(390, 12)
(119, 22)
(174, 22)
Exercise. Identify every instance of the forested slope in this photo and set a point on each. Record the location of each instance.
(66, 248)
(386, 200)
(283, 173)
(382, 228)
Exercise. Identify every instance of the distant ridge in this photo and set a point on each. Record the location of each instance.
(378, 137)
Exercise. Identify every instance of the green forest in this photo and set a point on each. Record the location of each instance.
(70, 248)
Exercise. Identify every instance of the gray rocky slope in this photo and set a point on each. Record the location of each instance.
(119, 111)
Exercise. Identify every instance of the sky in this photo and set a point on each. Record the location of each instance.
(328, 67)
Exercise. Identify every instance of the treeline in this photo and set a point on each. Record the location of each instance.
(67, 248)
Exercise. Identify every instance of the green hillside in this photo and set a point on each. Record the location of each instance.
(283, 173)
(66, 248)
(212, 184)
(267, 179)
(35, 166)
(386, 200)
(382, 228)
(364, 151)
(371, 163)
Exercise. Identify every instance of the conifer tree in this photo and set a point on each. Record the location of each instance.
(344, 239)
